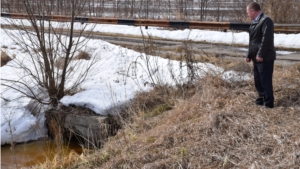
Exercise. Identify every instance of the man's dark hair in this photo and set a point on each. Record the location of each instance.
(254, 5)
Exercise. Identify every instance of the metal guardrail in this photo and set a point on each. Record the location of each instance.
(286, 28)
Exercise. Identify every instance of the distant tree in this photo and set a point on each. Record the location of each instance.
(170, 9)
(203, 5)
(132, 8)
(52, 48)
(282, 11)
(238, 8)
(217, 2)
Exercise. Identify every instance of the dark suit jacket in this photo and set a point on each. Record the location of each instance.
(261, 39)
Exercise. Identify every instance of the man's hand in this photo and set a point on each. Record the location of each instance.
(248, 60)
(259, 59)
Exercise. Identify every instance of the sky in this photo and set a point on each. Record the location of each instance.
(117, 76)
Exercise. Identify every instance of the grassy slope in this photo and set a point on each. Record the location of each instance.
(213, 124)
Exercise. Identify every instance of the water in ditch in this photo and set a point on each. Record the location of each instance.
(32, 153)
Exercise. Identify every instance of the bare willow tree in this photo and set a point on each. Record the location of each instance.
(53, 48)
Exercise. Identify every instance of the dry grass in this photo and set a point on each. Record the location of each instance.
(58, 160)
(82, 55)
(238, 66)
(210, 124)
(215, 125)
(59, 63)
(4, 58)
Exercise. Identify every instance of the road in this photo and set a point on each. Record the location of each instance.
(166, 48)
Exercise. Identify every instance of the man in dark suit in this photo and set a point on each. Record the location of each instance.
(262, 53)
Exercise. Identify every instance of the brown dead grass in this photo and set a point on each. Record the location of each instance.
(82, 55)
(211, 124)
(217, 125)
(4, 58)
(59, 63)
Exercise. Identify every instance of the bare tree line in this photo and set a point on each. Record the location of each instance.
(282, 11)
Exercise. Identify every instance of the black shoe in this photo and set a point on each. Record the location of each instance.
(259, 101)
(269, 106)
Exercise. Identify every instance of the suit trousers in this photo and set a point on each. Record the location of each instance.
(263, 73)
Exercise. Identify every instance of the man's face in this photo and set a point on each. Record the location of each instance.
(251, 13)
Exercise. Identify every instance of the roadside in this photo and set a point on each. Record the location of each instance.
(166, 47)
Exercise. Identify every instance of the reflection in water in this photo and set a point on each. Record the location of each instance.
(28, 154)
